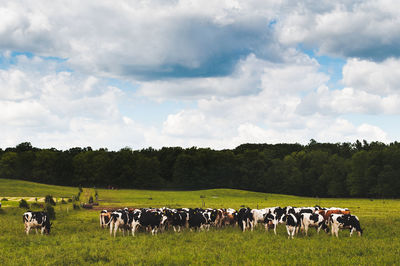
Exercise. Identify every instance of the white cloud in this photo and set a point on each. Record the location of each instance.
(61, 109)
(366, 29)
(371, 88)
(251, 75)
(141, 39)
(240, 62)
(381, 78)
(274, 114)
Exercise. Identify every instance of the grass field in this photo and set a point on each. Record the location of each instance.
(77, 239)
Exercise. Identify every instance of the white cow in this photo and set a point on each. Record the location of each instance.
(345, 221)
(36, 220)
(312, 220)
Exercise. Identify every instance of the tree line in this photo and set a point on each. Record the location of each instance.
(359, 169)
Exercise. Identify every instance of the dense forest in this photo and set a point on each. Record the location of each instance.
(359, 169)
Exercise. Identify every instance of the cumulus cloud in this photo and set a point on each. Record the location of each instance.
(381, 78)
(240, 64)
(60, 109)
(274, 113)
(364, 29)
(141, 39)
(370, 88)
(250, 76)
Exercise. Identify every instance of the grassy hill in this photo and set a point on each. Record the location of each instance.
(77, 239)
(19, 188)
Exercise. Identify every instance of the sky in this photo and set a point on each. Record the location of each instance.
(164, 73)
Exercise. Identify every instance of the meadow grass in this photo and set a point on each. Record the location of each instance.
(76, 237)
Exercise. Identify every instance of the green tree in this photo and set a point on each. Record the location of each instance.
(8, 163)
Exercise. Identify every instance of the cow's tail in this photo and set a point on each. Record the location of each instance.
(112, 217)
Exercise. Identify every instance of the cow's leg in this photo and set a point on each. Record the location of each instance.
(275, 228)
(27, 229)
(266, 227)
(306, 229)
(36, 230)
(42, 230)
(337, 231)
(288, 231)
(116, 225)
(134, 225)
(111, 228)
(352, 230)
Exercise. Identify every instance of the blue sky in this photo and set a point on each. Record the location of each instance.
(179, 73)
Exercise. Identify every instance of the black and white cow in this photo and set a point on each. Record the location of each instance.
(119, 220)
(345, 221)
(292, 222)
(213, 214)
(105, 217)
(245, 219)
(259, 215)
(312, 220)
(36, 220)
(198, 219)
(271, 219)
(147, 218)
(176, 219)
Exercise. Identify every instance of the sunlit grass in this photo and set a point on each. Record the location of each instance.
(76, 237)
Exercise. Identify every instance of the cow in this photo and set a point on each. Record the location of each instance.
(198, 219)
(119, 220)
(312, 220)
(147, 218)
(292, 222)
(219, 219)
(229, 217)
(259, 215)
(176, 219)
(271, 219)
(104, 218)
(345, 221)
(212, 215)
(245, 219)
(37, 220)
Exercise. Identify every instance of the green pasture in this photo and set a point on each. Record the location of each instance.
(77, 239)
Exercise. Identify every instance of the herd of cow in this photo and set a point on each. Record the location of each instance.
(162, 219)
(247, 219)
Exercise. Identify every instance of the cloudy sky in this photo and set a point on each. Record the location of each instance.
(194, 73)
